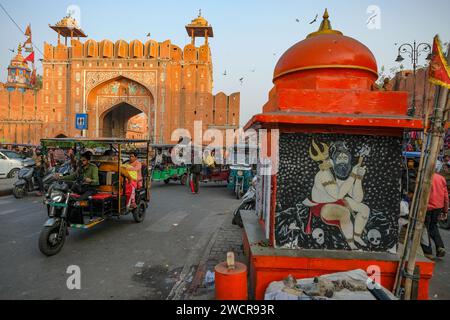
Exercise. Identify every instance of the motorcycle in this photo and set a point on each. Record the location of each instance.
(55, 230)
(27, 182)
(248, 203)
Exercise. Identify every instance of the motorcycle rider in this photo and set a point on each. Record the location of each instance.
(41, 166)
(88, 172)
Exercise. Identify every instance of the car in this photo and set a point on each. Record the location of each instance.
(10, 163)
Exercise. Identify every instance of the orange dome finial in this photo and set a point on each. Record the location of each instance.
(325, 27)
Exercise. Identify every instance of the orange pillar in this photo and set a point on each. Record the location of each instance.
(231, 284)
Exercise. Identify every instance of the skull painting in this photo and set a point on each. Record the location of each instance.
(374, 237)
(318, 236)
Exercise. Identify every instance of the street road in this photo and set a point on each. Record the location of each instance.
(119, 259)
(440, 283)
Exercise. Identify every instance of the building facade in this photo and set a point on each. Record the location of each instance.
(127, 89)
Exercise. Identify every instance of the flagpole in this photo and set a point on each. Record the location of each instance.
(437, 133)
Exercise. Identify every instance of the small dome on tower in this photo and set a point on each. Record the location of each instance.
(199, 21)
(327, 49)
(18, 60)
(68, 22)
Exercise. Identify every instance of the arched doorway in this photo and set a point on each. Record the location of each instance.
(115, 121)
(61, 136)
(120, 108)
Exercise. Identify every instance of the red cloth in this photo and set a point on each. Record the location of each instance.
(30, 58)
(315, 211)
(130, 188)
(438, 193)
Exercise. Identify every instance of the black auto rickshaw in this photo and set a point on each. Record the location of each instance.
(68, 209)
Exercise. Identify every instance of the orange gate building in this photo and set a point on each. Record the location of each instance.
(128, 89)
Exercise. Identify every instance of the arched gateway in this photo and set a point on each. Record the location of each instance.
(120, 108)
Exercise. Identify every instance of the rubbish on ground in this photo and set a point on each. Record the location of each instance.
(209, 278)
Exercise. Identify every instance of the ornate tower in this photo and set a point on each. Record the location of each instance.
(19, 74)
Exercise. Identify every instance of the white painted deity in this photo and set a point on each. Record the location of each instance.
(338, 192)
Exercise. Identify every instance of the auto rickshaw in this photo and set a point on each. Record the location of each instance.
(220, 172)
(163, 168)
(242, 161)
(69, 210)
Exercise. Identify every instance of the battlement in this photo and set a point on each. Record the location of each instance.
(106, 49)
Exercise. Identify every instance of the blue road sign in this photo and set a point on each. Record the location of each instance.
(81, 121)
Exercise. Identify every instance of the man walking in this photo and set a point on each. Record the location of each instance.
(437, 209)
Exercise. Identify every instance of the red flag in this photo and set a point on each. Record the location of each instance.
(439, 68)
(30, 58)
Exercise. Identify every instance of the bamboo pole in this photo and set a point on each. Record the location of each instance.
(437, 133)
(412, 211)
(413, 204)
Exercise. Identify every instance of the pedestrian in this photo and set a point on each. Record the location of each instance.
(41, 166)
(195, 169)
(437, 210)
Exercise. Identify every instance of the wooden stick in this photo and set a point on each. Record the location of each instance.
(413, 205)
(437, 132)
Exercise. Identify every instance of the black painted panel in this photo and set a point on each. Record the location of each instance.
(380, 188)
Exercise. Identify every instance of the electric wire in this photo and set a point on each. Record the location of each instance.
(18, 27)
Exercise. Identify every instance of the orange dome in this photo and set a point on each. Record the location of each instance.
(326, 49)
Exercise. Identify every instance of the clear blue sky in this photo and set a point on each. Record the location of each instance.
(247, 33)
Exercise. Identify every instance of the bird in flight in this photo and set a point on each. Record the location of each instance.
(315, 19)
(241, 80)
(148, 34)
(12, 50)
(298, 20)
(253, 70)
(225, 73)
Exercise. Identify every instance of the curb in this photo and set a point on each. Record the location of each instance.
(201, 269)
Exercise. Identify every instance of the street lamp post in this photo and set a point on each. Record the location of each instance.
(414, 51)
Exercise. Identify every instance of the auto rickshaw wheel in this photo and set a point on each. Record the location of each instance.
(139, 212)
(183, 179)
(48, 240)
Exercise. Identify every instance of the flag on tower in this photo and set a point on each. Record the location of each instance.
(439, 73)
(30, 58)
(28, 44)
(28, 31)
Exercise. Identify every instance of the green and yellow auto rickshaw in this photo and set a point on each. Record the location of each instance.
(163, 168)
(70, 209)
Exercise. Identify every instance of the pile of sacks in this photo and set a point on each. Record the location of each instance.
(350, 285)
